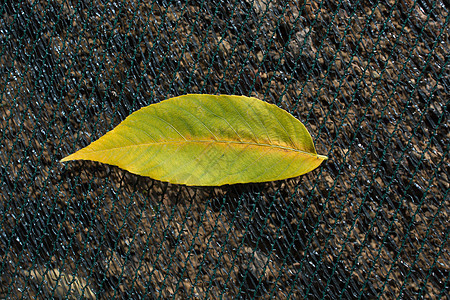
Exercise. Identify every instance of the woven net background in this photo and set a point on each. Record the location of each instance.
(369, 79)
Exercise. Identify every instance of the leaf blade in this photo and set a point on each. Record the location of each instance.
(208, 140)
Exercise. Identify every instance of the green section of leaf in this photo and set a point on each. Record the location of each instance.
(207, 140)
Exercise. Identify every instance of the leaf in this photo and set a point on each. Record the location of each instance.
(206, 140)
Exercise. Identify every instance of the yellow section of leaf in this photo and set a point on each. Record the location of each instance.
(207, 140)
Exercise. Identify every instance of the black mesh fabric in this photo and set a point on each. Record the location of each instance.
(369, 79)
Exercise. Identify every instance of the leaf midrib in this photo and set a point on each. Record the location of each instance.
(213, 141)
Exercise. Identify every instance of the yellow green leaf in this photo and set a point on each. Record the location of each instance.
(207, 140)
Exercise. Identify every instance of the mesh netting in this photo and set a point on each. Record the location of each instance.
(369, 79)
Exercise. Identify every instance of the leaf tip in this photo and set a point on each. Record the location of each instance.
(322, 157)
(67, 158)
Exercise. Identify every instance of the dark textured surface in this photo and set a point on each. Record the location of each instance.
(370, 80)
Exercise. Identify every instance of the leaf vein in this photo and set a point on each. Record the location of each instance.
(255, 161)
(256, 114)
(140, 129)
(287, 133)
(171, 126)
(219, 142)
(197, 119)
(242, 117)
(201, 105)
